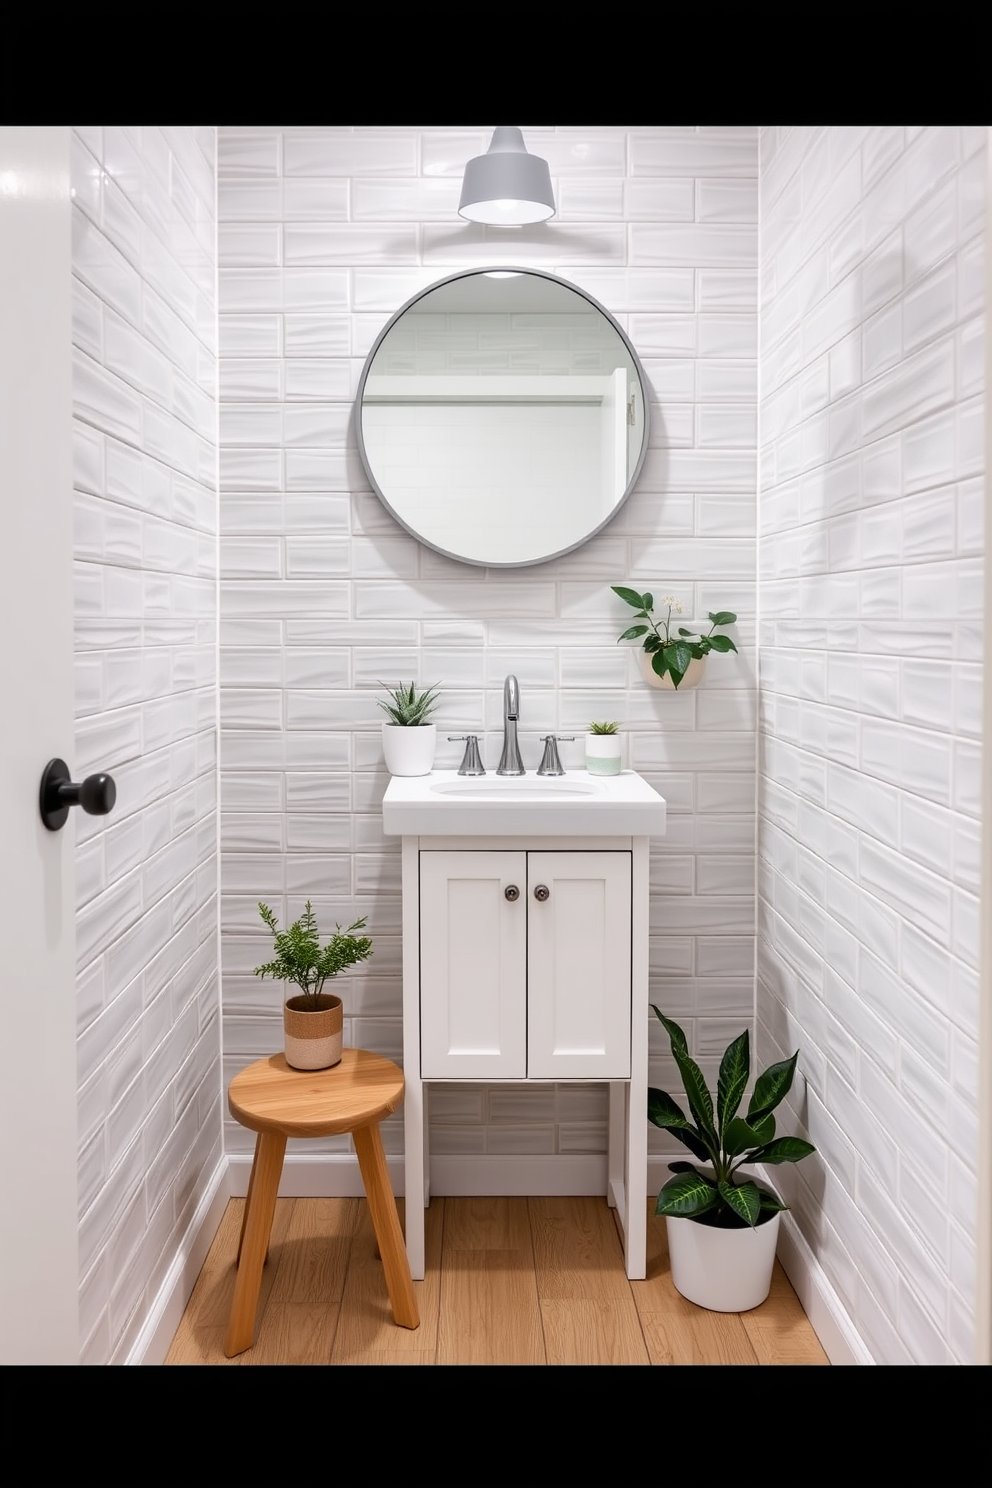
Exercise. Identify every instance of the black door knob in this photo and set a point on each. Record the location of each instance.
(96, 794)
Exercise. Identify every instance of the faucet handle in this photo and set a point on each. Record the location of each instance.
(551, 764)
(471, 761)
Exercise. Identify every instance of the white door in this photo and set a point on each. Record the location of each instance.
(38, 1221)
(578, 965)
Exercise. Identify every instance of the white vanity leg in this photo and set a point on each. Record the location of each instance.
(635, 1229)
(636, 1171)
(616, 1147)
(413, 1142)
(426, 1107)
(414, 1116)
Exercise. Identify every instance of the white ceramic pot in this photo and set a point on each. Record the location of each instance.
(722, 1270)
(409, 751)
(693, 676)
(313, 1036)
(603, 754)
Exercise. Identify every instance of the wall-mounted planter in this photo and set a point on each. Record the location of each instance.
(693, 676)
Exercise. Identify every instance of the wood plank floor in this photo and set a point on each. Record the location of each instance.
(508, 1281)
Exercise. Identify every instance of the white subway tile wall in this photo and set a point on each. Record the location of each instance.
(144, 224)
(324, 234)
(870, 559)
(868, 247)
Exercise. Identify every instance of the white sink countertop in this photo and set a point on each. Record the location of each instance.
(445, 803)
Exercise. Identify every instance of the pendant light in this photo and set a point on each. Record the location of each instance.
(507, 186)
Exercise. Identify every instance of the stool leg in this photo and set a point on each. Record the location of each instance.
(244, 1212)
(386, 1222)
(259, 1210)
(244, 1216)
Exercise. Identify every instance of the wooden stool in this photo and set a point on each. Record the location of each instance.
(278, 1102)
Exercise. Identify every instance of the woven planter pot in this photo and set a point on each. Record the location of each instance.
(312, 1029)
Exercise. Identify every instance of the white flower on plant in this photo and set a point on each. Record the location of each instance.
(675, 605)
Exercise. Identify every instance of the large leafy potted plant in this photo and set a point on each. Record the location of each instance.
(672, 659)
(312, 1018)
(722, 1223)
(409, 739)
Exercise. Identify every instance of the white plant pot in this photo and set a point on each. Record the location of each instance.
(604, 754)
(409, 751)
(722, 1270)
(693, 675)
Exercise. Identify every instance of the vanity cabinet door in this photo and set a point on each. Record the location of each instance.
(579, 965)
(473, 965)
(525, 965)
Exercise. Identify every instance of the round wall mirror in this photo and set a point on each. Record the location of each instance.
(503, 417)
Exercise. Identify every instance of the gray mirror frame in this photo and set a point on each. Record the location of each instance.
(645, 401)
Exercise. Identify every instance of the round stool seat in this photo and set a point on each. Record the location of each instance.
(271, 1096)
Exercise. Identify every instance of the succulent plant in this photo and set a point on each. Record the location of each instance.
(409, 706)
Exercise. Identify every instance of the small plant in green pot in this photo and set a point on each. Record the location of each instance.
(409, 739)
(603, 749)
(313, 1018)
(723, 1224)
(667, 659)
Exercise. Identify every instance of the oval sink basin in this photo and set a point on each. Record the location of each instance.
(445, 804)
(515, 788)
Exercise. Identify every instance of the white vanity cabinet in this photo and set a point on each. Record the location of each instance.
(525, 965)
(525, 958)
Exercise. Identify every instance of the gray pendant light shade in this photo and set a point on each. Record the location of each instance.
(507, 185)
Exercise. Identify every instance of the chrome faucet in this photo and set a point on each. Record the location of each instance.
(510, 762)
(471, 760)
(551, 761)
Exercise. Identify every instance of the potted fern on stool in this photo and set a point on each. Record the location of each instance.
(312, 1019)
(722, 1224)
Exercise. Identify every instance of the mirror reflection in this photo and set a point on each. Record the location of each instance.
(502, 417)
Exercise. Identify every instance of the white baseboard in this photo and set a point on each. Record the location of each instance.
(165, 1314)
(337, 1176)
(658, 1174)
(829, 1319)
(493, 1175)
(325, 1175)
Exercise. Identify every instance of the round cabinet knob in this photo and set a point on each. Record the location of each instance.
(542, 892)
(96, 794)
(512, 893)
